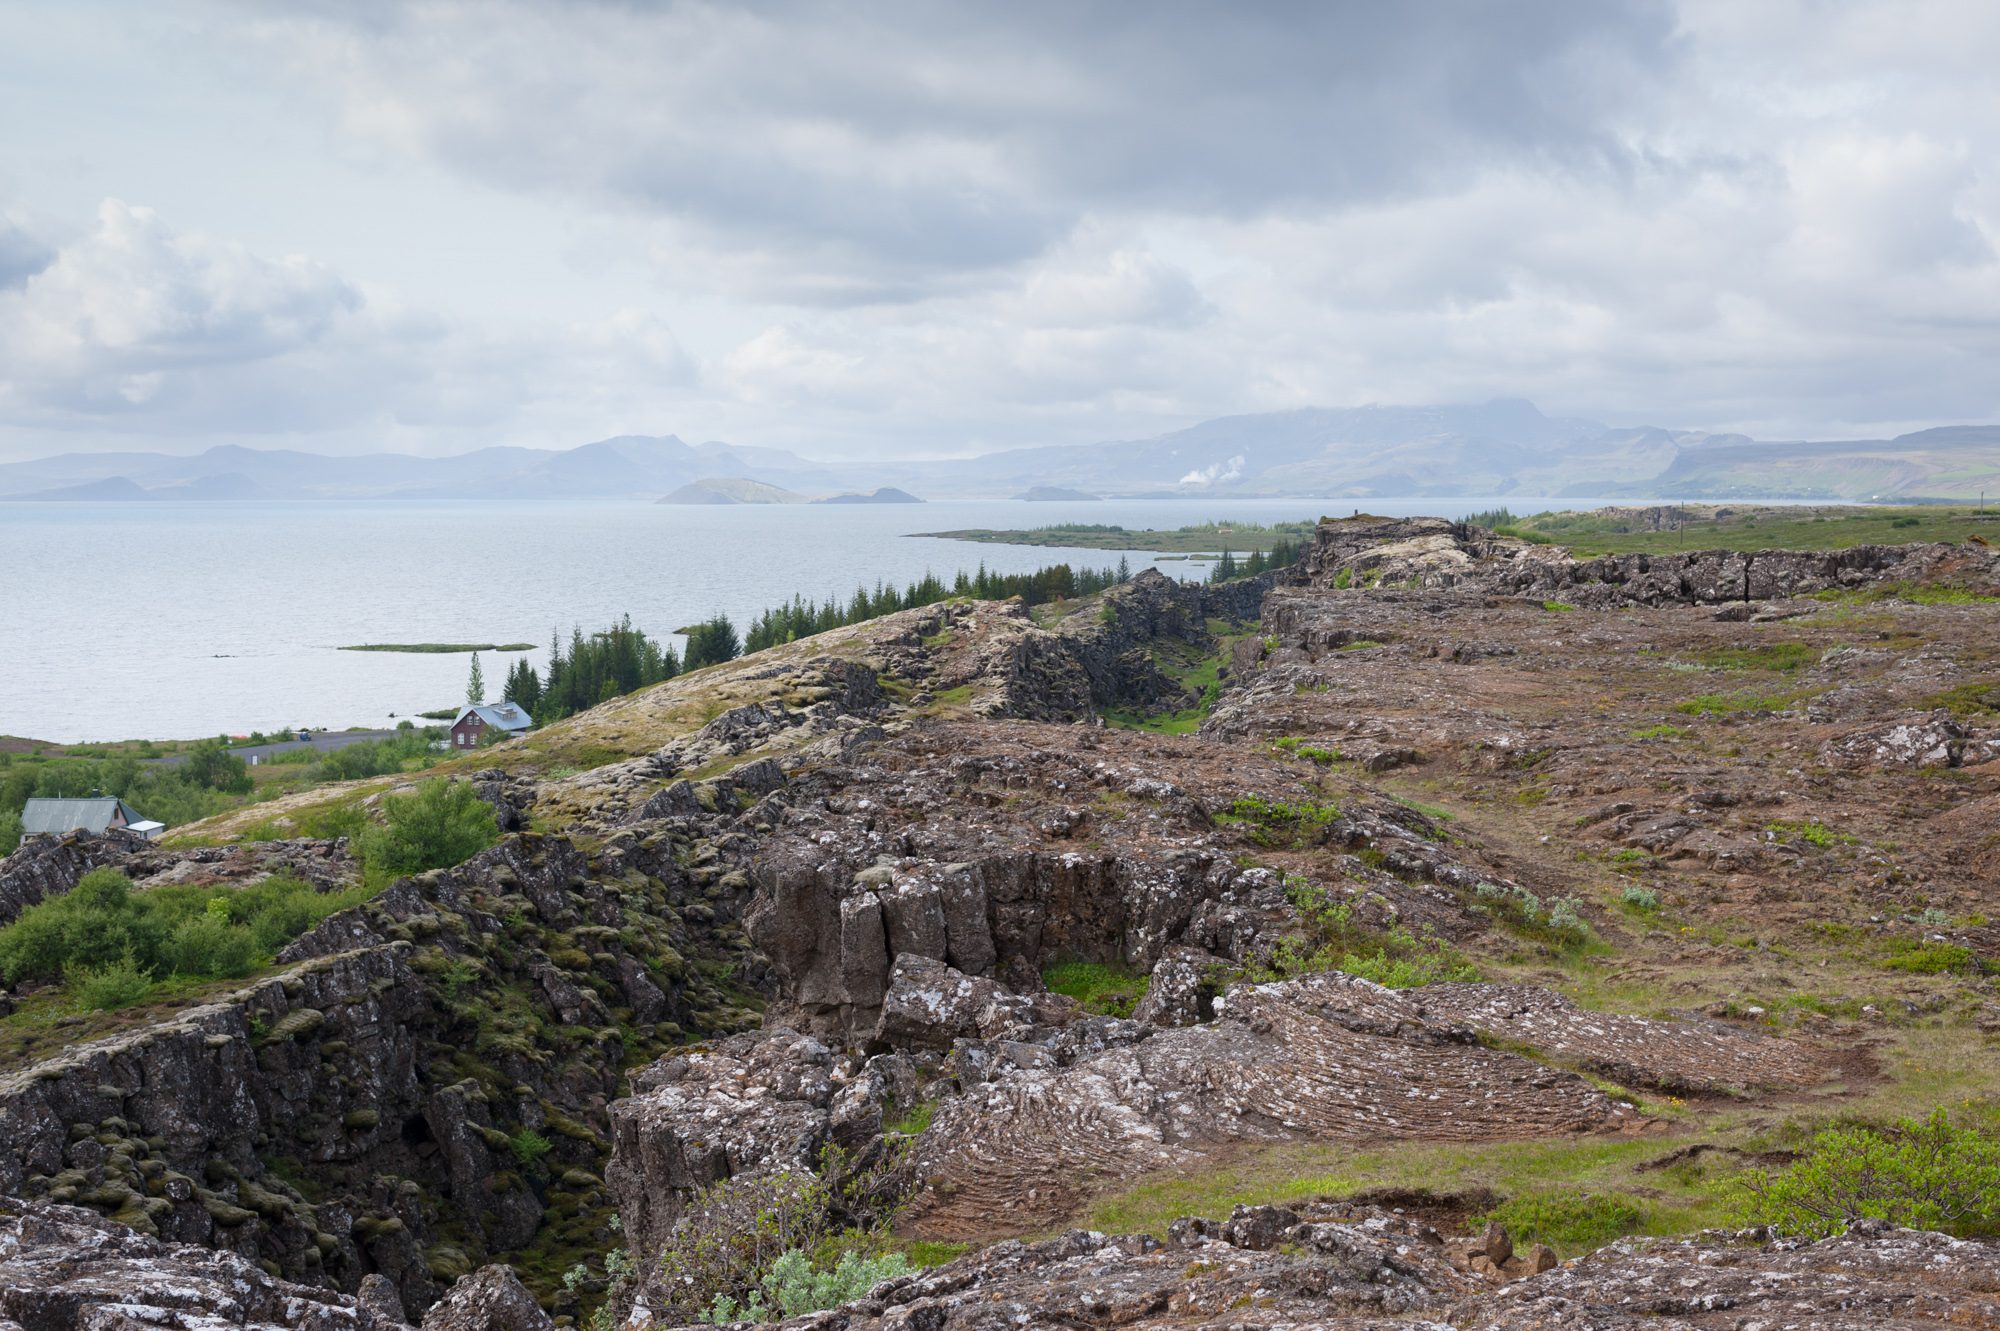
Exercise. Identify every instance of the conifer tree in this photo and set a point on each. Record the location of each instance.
(475, 685)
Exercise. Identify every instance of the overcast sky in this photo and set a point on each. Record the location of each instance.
(930, 228)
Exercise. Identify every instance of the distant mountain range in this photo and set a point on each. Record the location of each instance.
(736, 490)
(1499, 448)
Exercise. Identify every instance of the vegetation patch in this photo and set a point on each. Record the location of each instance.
(1736, 704)
(1923, 957)
(1100, 988)
(1570, 1222)
(1331, 938)
(1975, 697)
(1808, 831)
(1317, 753)
(1279, 822)
(111, 945)
(1556, 922)
(1917, 1173)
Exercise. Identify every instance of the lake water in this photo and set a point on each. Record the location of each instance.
(174, 621)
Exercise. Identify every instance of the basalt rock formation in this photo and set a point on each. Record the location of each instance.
(1636, 840)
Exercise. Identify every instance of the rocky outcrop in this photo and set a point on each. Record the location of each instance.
(1329, 1057)
(1334, 1268)
(759, 1103)
(490, 1299)
(1431, 553)
(49, 866)
(1871, 1278)
(438, 1062)
(67, 1269)
(834, 929)
(1689, 1056)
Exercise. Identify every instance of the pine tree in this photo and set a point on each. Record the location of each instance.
(475, 686)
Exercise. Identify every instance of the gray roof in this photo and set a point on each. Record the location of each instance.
(501, 715)
(88, 815)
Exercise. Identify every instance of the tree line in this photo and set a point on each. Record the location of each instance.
(1283, 554)
(803, 618)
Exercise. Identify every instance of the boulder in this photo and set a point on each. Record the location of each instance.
(490, 1299)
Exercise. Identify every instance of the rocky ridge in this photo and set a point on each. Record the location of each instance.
(886, 836)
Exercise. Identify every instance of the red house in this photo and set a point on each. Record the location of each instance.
(475, 720)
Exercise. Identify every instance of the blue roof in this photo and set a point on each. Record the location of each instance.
(85, 815)
(500, 715)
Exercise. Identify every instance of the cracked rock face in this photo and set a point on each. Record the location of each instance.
(66, 1269)
(1871, 1279)
(1336, 1268)
(1323, 1058)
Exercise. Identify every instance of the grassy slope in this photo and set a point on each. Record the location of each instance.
(1616, 531)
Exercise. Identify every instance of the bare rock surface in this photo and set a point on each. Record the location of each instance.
(1323, 1058)
(1692, 1055)
(1871, 1278)
(1339, 1268)
(490, 1299)
(67, 1269)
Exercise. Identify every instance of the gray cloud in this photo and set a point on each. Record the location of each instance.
(902, 144)
(900, 227)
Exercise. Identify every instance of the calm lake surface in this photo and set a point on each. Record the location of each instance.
(174, 621)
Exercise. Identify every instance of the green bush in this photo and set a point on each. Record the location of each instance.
(96, 923)
(1569, 1221)
(210, 945)
(441, 824)
(114, 985)
(1920, 1173)
(793, 1286)
(198, 932)
(529, 1146)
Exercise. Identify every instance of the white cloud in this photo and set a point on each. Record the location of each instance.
(888, 227)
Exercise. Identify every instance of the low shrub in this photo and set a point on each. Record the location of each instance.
(114, 985)
(747, 1244)
(197, 932)
(441, 824)
(1920, 1173)
(1273, 822)
(793, 1286)
(1569, 1221)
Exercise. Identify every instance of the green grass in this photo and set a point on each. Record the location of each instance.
(1661, 731)
(1104, 989)
(1527, 1176)
(1916, 593)
(1557, 607)
(1919, 957)
(1279, 822)
(1975, 697)
(1296, 746)
(1569, 1221)
(1810, 831)
(1837, 527)
(1735, 704)
(916, 1121)
(441, 648)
